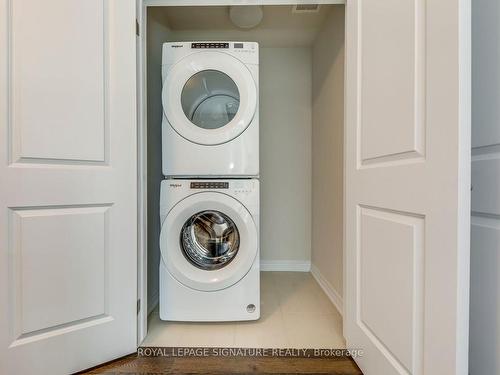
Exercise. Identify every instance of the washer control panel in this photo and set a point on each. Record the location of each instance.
(209, 185)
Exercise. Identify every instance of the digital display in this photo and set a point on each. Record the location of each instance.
(209, 185)
(209, 45)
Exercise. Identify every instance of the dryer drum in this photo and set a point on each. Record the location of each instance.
(209, 240)
(210, 99)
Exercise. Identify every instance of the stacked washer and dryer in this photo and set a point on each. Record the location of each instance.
(209, 203)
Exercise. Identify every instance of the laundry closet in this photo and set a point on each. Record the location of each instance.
(301, 90)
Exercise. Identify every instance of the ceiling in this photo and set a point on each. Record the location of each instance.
(275, 16)
(280, 27)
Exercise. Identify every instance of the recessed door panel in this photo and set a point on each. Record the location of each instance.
(485, 74)
(485, 289)
(485, 228)
(58, 267)
(59, 80)
(392, 80)
(391, 305)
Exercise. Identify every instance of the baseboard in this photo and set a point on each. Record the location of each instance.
(285, 265)
(328, 289)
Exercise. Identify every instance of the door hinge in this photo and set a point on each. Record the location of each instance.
(137, 28)
(138, 306)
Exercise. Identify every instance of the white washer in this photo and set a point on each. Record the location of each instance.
(209, 241)
(210, 100)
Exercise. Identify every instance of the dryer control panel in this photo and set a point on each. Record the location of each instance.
(210, 45)
(247, 52)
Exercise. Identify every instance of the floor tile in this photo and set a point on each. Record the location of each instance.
(267, 332)
(313, 331)
(162, 333)
(295, 312)
(208, 334)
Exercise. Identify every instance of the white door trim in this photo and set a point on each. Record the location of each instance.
(142, 177)
(149, 3)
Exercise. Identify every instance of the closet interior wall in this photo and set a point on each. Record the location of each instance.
(158, 32)
(327, 155)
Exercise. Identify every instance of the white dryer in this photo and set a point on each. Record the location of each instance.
(209, 241)
(210, 100)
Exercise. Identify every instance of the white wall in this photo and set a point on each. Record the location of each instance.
(285, 156)
(157, 34)
(485, 232)
(327, 152)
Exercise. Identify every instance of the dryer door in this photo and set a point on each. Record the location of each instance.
(209, 98)
(208, 241)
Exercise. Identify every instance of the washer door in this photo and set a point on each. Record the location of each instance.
(208, 241)
(209, 98)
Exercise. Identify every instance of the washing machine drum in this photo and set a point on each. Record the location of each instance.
(208, 241)
(209, 97)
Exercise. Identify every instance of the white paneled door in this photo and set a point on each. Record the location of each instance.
(67, 184)
(485, 226)
(407, 185)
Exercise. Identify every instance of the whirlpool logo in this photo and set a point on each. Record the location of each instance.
(175, 185)
(177, 46)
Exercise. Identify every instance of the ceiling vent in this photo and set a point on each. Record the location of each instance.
(305, 8)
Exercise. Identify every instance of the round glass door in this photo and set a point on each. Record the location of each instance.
(209, 240)
(210, 99)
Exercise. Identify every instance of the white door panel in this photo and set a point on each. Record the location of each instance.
(407, 185)
(396, 237)
(485, 226)
(391, 61)
(69, 242)
(68, 184)
(46, 54)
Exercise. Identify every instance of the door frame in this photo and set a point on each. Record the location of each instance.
(142, 243)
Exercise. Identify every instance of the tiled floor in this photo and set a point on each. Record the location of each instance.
(295, 313)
